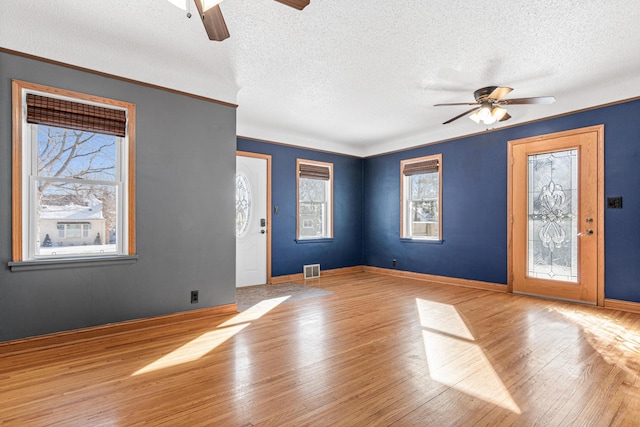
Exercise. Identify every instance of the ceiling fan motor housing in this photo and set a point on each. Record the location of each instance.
(482, 94)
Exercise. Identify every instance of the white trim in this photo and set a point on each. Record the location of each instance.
(30, 176)
(327, 212)
(406, 229)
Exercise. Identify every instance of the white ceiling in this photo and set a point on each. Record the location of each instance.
(357, 77)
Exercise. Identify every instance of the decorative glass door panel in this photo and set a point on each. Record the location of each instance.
(555, 209)
(552, 243)
(243, 204)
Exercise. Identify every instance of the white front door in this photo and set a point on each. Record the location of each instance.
(252, 219)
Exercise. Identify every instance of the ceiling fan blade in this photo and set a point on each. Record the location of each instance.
(535, 100)
(213, 22)
(460, 115)
(499, 93)
(506, 116)
(296, 4)
(457, 103)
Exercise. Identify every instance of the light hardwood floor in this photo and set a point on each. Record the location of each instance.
(378, 351)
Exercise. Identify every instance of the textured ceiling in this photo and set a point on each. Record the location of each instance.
(358, 77)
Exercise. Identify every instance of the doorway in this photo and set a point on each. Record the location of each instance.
(253, 219)
(556, 215)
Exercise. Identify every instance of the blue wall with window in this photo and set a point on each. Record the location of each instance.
(345, 249)
(474, 203)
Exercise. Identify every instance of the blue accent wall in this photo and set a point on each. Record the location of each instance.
(345, 249)
(474, 203)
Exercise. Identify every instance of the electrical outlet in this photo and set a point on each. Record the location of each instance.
(194, 297)
(394, 262)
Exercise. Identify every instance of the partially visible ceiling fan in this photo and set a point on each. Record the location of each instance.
(209, 12)
(488, 106)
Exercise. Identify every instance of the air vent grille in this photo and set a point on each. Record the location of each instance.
(311, 271)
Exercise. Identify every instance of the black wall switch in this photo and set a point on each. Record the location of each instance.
(614, 202)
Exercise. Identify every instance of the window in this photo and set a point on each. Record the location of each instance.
(315, 199)
(421, 189)
(72, 231)
(73, 175)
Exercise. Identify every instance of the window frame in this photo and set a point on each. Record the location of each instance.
(21, 167)
(329, 214)
(405, 221)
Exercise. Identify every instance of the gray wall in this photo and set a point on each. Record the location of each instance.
(185, 213)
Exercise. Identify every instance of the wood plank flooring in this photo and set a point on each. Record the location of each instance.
(378, 351)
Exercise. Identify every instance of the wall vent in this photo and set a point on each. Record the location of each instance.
(311, 271)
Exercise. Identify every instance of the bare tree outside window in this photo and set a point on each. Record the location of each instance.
(313, 204)
(424, 197)
(76, 181)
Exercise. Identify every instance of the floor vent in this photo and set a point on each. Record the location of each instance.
(311, 271)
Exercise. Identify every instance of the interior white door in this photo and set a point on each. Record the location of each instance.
(251, 221)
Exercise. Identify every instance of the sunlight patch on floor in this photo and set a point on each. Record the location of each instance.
(443, 318)
(207, 342)
(615, 343)
(255, 312)
(455, 360)
(193, 350)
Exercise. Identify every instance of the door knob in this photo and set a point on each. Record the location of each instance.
(262, 231)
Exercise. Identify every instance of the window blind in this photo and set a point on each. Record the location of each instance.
(314, 172)
(427, 166)
(75, 115)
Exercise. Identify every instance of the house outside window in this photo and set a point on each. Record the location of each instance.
(78, 231)
(73, 180)
(315, 199)
(421, 189)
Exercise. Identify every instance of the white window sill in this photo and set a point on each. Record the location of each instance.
(430, 241)
(316, 240)
(48, 264)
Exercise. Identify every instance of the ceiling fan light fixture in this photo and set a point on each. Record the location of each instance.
(485, 112)
(498, 113)
(489, 120)
(208, 4)
(488, 115)
(182, 4)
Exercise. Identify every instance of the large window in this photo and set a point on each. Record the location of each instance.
(421, 189)
(73, 174)
(315, 199)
